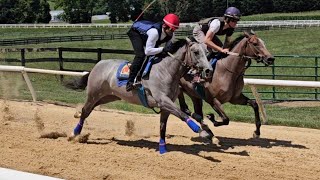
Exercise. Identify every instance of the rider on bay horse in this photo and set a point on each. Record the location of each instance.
(207, 30)
(150, 35)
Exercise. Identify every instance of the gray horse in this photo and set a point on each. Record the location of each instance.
(227, 82)
(162, 87)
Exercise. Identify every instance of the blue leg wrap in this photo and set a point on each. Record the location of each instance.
(78, 128)
(162, 146)
(195, 128)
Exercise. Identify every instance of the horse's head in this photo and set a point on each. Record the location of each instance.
(256, 49)
(196, 58)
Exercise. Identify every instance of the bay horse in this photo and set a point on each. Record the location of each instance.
(227, 81)
(162, 87)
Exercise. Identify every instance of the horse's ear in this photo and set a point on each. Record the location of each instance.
(246, 34)
(252, 32)
(188, 40)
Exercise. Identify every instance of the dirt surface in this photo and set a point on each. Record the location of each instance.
(122, 145)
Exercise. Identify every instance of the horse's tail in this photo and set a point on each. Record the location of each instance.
(77, 83)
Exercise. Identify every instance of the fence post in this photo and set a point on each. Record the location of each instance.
(273, 77)
(23, 58)
(99, 54)
(60, 63)
(316, 75)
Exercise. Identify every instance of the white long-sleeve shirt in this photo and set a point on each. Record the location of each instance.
(153, 37)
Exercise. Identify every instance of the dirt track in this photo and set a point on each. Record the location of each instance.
(111, 153)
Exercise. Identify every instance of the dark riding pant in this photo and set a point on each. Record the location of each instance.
(138, 47)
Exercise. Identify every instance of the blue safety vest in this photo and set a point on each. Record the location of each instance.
(143, 26)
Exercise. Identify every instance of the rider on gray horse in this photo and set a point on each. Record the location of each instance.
(206, 31)
(150, 35)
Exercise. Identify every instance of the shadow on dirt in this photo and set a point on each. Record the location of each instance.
(224, 146)
(259, 142)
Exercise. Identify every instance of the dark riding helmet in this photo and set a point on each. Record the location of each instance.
(232, 12)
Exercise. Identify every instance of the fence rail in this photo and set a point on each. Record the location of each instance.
(56, 39)
(309, 65)
(277, 23)
(245, 25)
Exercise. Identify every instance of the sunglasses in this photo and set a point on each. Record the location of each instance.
(234, 20)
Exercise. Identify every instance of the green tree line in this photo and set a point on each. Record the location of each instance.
(80, 11)
(24, 11)
(187, 10)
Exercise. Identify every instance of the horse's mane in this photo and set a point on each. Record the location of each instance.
(236, 41)
(178, 44)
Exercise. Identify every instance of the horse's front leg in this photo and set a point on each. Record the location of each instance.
(217, 106)
(163, 126)
(198, 114)
(168, 105)
(183, 105)
(243, 100)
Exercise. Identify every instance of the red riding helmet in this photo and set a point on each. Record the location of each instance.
(172, 21)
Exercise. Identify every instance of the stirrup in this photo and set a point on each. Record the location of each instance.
(136, 82)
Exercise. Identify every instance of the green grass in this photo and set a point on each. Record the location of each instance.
(48, 87)
(311, 15)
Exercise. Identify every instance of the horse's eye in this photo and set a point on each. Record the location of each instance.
(255, 44)
(196, 53)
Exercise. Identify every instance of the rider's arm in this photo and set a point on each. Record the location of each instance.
(210, 44)
(227, 42)
(153, 37)
(213, 29)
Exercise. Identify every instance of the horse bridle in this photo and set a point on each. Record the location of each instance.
(253, 49)
(186, 60)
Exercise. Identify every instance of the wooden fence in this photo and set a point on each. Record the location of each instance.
(312, 66)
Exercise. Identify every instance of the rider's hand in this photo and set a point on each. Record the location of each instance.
(167, 48)
(225, 51)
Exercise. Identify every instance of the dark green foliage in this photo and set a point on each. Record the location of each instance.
(80, 11)
(119, 10)
(24, 11)
(76, 11)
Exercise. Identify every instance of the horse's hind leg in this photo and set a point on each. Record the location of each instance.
(243, 100)
(90, 104)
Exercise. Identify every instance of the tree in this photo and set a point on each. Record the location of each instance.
(76, 11)
(119, 10)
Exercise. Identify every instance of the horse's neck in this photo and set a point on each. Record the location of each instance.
(173, 66)
(233, 63)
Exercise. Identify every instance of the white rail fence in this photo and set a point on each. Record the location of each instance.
(250, 82)
(279, 23)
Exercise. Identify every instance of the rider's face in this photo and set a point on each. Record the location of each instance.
(169, 31)
(233, 23)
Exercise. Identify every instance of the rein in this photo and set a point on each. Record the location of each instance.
(186, 57)
(244, 57)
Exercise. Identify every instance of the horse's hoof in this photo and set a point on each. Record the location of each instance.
(204, 134)
(225, 122)
(77, 114)
(162, 146)
(216, 141)
(72, 137)
(255, 135)
(163, 150)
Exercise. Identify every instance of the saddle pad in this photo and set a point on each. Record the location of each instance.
(123, 71)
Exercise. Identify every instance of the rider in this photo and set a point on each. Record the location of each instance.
(150, 35)
(207, 30)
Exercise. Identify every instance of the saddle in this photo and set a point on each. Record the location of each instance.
(123, 72)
